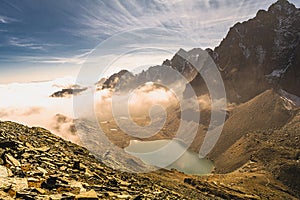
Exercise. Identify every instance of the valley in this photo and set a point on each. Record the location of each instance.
(163, 133)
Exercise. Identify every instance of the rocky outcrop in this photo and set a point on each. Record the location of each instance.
(35, 164)
(263, 130)
(115, 80)
(164, 74)
(184, 61)
(68, 92)
(256, 55)
(260, 54)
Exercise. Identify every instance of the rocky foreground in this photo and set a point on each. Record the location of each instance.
(36, 164)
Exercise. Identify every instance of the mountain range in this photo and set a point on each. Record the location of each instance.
(256, 55)
(259, 64)
(258, 153)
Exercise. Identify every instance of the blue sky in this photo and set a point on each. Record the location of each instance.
(45, 39)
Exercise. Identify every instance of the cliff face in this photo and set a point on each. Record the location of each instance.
(260, 54)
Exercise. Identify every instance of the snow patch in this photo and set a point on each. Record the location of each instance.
(261, 54)
(215, 55)
(238, 32)
(246, 51)
(277, 73)
(294, 99)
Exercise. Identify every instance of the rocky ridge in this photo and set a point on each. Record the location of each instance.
(36, 164)
(260, 54)
(181, 62)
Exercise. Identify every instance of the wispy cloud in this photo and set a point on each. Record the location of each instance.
(75, 60)
(2, 20)
(195, 19)
(7, 20)
(25, 43)
(30, 43)
(85, 24)
(59, 60)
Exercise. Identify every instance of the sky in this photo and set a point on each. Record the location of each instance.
(47, 39)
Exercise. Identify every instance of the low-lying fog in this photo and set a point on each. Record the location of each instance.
(31, 104)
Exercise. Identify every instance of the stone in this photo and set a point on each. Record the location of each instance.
(49, 164)
(111, 194)
(189, 181)
(9, 172)
(34, 182)
(5, 196)
(76, 184)
(63, 180)
(40, 190)
(17, 171)
(124, 196)
(10, 159)
(3, 172)
(23, 194)
(59, 164)
(62, 168)
(16, 185)
(139, 197)
(55, 197)
(7, 144)
(68, 196)
(2, 151)
(46, 159)
(63, 188)
(82, 167)
(26, 155)
(124, 183)
(26, 167)
(42, 170)
(50, 183)
(90, 195)
(5, 184)
(42, 149)
(27, 144)
(76, 164)
(113, 182)
(88, 173)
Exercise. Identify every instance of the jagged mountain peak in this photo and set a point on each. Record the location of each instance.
(114, 79)
(256, 55)
(282, 6)
(261, 53)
